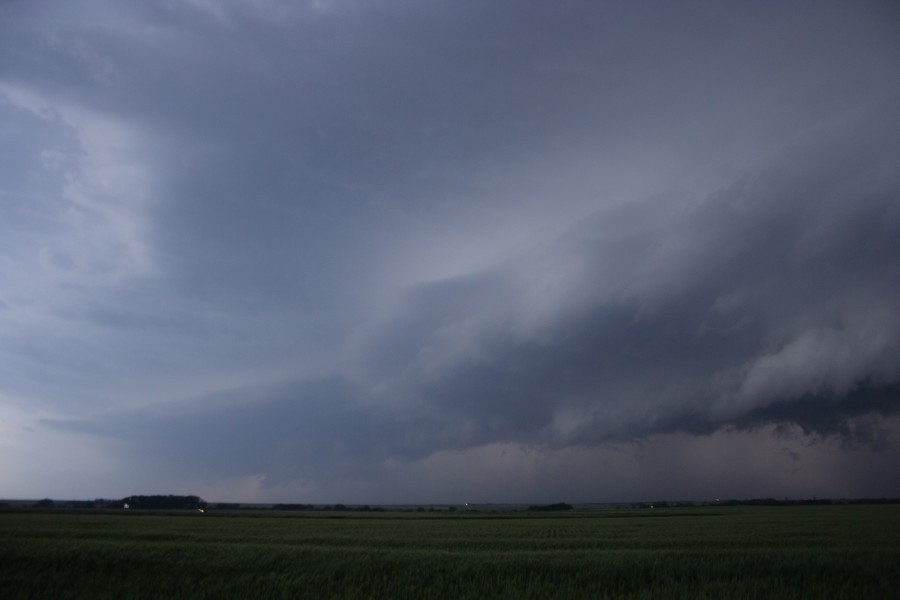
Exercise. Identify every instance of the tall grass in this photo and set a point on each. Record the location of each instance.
(760, 552)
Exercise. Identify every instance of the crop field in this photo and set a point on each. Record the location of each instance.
(709, 552)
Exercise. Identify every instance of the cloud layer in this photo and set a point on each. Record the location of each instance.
(293, 252)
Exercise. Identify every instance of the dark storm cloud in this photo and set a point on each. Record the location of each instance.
(833, 415)
(772, 301)
(302, 240)
(775, 291)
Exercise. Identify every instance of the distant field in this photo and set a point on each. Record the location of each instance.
(730, 552)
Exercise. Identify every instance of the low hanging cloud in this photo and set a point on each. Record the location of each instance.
(770, 302)
(779, 289)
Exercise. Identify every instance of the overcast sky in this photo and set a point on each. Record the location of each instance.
(449, 250)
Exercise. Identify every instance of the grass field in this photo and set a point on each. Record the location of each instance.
(730, 552)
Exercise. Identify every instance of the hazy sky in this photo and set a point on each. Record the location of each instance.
(449, 250)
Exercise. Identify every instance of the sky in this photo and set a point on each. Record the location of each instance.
(446, 251)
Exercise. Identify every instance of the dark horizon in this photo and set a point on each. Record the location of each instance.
(661, 502)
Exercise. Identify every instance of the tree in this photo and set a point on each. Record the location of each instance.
(546, 507)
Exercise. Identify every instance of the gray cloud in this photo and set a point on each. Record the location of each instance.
(780, 287)
(735, 311)
(341, 241)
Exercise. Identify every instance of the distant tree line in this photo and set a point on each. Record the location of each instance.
(169, 502)
(762, 502)
(346, 508)
(547, 507)
(805, 501)
(175, 502)
(294, 507)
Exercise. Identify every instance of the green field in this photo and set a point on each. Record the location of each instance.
(711, 552)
